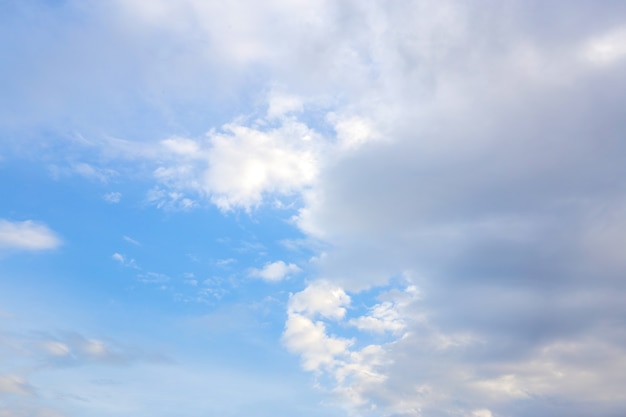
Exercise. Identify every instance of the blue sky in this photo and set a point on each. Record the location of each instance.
(311, 207)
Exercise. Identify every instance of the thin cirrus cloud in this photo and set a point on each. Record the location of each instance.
(14, 384)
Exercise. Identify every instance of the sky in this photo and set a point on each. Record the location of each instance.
(346, 208)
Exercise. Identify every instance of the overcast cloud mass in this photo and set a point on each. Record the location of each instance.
(312, 207)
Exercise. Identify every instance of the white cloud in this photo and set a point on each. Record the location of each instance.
(281, 104)
(95, 348)
(123, 260)
(131, 240)
(607, 48)
(245, 163)
(354, 373)
(352, 131)
(309, 339)
(88, 171)
(320, 298)
(275, 271)
(382, 318)
(182, 146)
(113, 197)
(236, 167)
(118, 257)
(504, 386)
(27, 235)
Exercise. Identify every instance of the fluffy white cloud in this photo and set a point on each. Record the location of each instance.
(27, 235)
(355, 372)
(309, 339)
(275, 271)
(236, 167)
(244, 163)
(320, 298)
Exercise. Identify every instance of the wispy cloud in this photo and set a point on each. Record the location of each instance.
(131, 240)
(123, 260)
(113, 197)
(13, 384)
(27, 235)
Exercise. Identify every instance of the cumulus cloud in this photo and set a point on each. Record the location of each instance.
(27, 235)
(320, 298)
(236, 167)
(309, 339)
(354, 367)
(245, 163)
(275, 271)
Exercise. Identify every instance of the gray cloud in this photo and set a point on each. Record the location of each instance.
(500, 192)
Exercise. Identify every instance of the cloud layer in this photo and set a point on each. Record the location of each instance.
(461, 164)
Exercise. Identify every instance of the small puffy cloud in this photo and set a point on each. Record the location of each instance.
(130, 263)
(275, 271)
(112, 197)
(27, 235)
(320, 298)
(118, 257)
